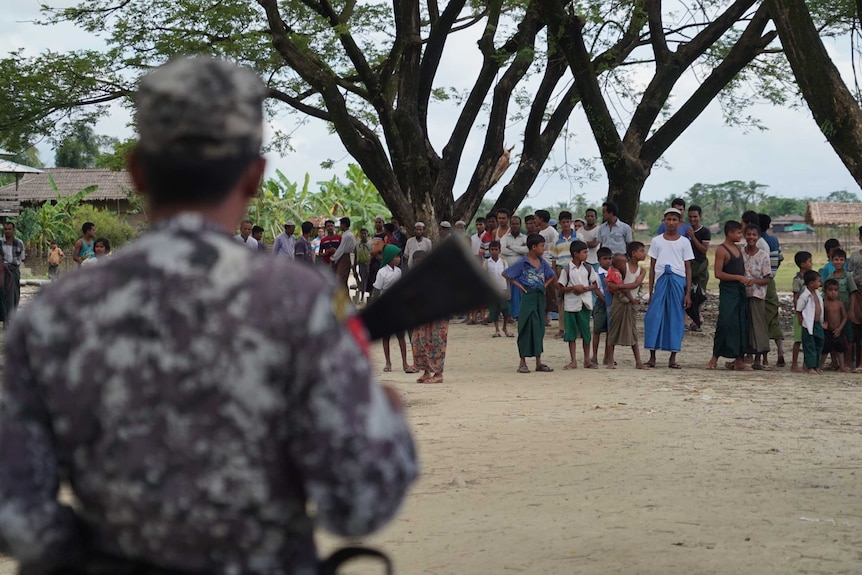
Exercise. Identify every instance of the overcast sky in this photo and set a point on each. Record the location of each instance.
(791, 157)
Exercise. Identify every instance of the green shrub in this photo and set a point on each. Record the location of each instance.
(108, 224)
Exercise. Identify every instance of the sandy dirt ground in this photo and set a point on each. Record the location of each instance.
(626, 471)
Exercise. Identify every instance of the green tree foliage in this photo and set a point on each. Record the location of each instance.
(728, 200)
(81, 147)
(115, 158)
(281, 199)
(371, 71)
(53, 220)
(109, 224)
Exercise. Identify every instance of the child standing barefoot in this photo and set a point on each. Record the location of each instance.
(532, 274)
(809, 311)
(624, 329)
(429, 343)
(803, 262)
(731, 330)
(495, 266)
(601, 309)
(834, 338)
(388, 274)
(577, 283)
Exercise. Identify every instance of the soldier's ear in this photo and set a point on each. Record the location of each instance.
(136, 172)
(252, 177)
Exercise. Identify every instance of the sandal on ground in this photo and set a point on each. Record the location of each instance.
(674, 366)
(434, 379)
(523, 369)
(510, 334)
(496, 335)
(780, 362)
(387, 369)
(411, 369)
(545, 368)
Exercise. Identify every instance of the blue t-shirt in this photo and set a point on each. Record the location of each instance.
(530, 277)
(681, 229)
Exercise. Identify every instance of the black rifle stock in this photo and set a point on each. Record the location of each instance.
(448, 281)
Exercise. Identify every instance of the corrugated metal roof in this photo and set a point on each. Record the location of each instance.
(833, 213)
(37, 188)
(7, 167)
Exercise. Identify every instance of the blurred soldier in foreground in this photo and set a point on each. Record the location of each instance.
(187, 406)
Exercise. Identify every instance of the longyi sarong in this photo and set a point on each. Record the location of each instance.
(664, 322)
(731, 330)
(531, 323)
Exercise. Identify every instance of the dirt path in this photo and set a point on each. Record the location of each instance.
(598, 471)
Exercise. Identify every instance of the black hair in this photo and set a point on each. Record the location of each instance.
(534, 239)
(754, 227)
(588, 210)
(678, 202)
(611, 207)
(173, 179)
(564, 215)
(330, 222)
(604, 252)
(306, 228)
(577, 246)
(810, 276)
(529, 217)
(363, 230)
(417, 257)
(830, 245)
(491, 216)
(750, 217)
(839, 253)
(494, 244)
(389, 227)
(87, 227)
(345, 221)
(256, 229)
(764, 221)
(105, 242)
(543, 215)
(504, 211)
(10, 222)
(695, 208)
(829, 283)
(632, 247)
(480, 220)
(731, 226)
(801, 257)
(515, 216)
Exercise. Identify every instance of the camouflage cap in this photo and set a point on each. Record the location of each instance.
(200, 107)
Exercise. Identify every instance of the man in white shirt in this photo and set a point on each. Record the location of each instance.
(244, 236)
(285, 243)
(670, 274)
(513, 248)
(341, 258)
(589, 234)
(417, 243)
(476, 239)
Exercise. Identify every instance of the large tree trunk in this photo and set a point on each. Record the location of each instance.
(834, 109)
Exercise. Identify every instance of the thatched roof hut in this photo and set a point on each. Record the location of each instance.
(834, 213)
(112, 193)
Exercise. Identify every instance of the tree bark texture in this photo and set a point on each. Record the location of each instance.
(834, 109)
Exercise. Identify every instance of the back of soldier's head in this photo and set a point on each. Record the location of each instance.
(200, 122)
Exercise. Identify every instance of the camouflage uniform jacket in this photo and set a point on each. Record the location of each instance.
(194, 402)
